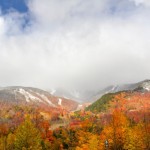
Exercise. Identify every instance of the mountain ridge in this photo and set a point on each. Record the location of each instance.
(139, 90)
(62, 97)
(21, 94)
(91, 96)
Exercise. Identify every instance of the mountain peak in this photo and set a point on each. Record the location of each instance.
(144, 86)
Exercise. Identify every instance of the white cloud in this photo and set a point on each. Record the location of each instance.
(78, 44)
(2, 26)
(142, 2)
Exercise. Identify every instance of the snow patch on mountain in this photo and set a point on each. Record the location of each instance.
(33, 96)
(146, 85)
(52, 92)
(79, 107)
(113, 88)
(29, 97)
(147, 88)
(43, 97)
(59, 101)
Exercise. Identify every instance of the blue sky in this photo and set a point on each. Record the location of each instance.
(79, 44)
(18, 5)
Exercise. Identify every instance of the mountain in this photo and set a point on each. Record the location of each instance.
(143, 85)
(133, 92)
(92, 95)
(30, 95)
(75, 94)
(64, 98)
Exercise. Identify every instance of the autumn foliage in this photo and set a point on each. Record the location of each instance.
(123, 125)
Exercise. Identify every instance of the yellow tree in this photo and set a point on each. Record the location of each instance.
(87, 141)
(10, 141)
(115, 132)
(27, 137)
(134, 139)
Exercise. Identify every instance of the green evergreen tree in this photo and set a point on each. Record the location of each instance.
(27, 137)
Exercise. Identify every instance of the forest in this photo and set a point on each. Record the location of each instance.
(120, 123)
(74, 74)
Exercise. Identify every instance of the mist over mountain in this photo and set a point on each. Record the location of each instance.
(89, 96)
(62, 96)
(74, 45)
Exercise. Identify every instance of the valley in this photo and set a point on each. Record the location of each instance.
(120, 118)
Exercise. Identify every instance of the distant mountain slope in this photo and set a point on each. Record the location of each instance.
(92, 95)
(74, 94)
(20, 94)
(141, 89)
(101, 104)
(143, 85)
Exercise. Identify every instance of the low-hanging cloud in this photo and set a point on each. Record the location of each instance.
(80, 44)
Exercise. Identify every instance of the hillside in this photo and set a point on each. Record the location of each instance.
(103, 103)
(30, 95)
(143, 85)
(127, 100)
(119, 119)
(82, 95)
